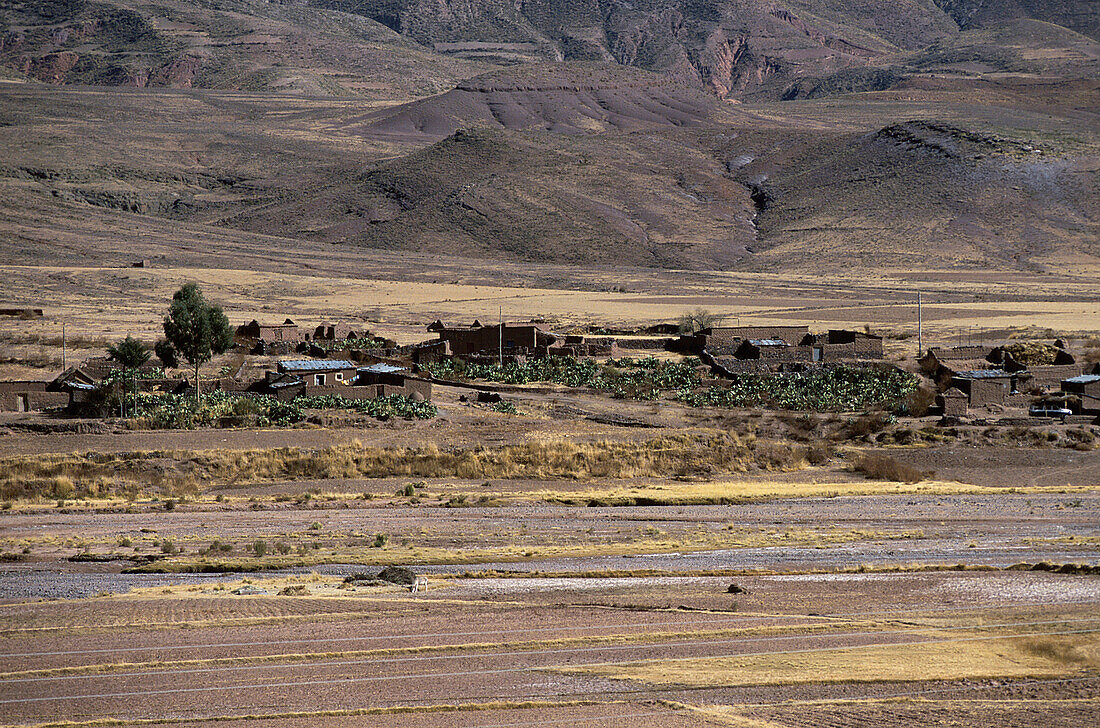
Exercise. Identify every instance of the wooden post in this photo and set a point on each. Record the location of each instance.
(920, 332)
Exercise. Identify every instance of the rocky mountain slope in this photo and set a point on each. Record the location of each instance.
(734, 48)
(219, 44)
(804, 134)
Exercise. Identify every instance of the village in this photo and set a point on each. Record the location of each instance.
(334, 364)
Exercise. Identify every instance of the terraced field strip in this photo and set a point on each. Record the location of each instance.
(601, 643)
(913, 709)
(491, 714)
(739, 619)
(436, 678)
(1012, 655)
(618, 641)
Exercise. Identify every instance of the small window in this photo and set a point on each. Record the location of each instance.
(339, 376)
(319, 379)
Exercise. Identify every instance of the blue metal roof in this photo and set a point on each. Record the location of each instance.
(1084, 379)
(314, 365)
(381, 369)
(983, 374)
(767, 342)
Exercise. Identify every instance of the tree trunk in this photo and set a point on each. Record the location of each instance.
(198, 386)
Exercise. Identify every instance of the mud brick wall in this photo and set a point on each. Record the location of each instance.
(1050, 376)
(472, 341)
(988, 391)
(722, 339)
(953, 406)
(15, 394)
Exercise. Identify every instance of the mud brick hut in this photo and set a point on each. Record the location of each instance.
(280, 385)
(728, 339)
(339, 332)
(388, 379)
(319, 372)
(943, 364)
(528, 338)
(843, 345)
(29, 396)
(1087, 389)
(271, 333)
(987, 386)
(953, 402)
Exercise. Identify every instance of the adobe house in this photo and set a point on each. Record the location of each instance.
(270, 333)
(1051, 376)
(1087, 389)
(388, 379)
(29, 396)
(953, 402)
(943, 364)
(987, 386)
(473, 340)
(339, 332)
(319, 372)
(280, 385)
(776, 350)
(839, 344)
(727, 339)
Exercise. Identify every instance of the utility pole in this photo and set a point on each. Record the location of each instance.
(64, 346)
(500, 337)
(920, 327)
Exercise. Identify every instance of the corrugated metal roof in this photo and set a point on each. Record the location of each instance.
(767, 342)
(80, 385)
(315, 365)
(381, 369)
(287, 380)
(1084, 379)
(983, 374)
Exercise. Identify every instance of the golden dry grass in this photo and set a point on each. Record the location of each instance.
(966, 658)
(93, 474)
(732, 491)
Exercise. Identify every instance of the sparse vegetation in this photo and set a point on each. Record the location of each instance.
(882, 467)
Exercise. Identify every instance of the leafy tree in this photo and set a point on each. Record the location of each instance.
(166, 353)
(196, 330)
(131, 353)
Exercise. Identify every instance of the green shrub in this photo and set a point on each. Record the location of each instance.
(382, 408)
